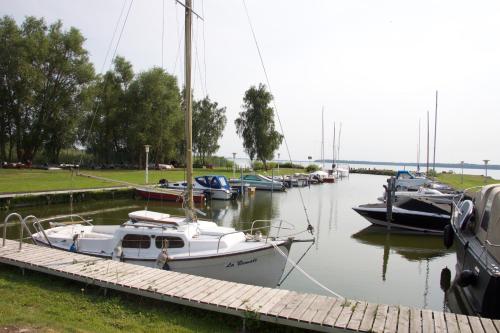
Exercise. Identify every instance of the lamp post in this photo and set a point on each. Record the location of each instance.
(485, 169)
(234, 165)
(462, 165)
(146, 147)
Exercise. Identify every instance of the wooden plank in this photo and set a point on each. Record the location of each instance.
(279, 306)
(404, 320)
(151, 282)
(205, 292)
(391, 323)
(231, 295)
(415, 321)
(138, 276)
(380, 317)
(463, 324)
(345, 314)
(303, 306)
(247, 300)
(178, 283)
(257, 305)
(241, 300)
(268, 306)
(497, 324)
(476, 325)
(308, 315)
(369, 318)
(451, 322)
(439, 322)
(357, 316)
(427, 322)
(226, 290)
(334, 313)
(32, 257)
(291, 305)
(488, 325)
(201, 282)
(324, 309)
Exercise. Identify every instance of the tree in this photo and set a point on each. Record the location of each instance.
(256, 125)
(154, 116)
(45, 72)
(209, 122)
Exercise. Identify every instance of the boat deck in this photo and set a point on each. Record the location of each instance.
(303, 310)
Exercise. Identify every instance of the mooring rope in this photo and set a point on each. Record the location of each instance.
(319, 284)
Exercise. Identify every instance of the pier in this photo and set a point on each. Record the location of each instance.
(303, 310)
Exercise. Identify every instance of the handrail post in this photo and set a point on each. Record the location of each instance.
(5, 225)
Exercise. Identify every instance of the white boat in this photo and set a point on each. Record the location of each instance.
(213, 186)
(174, 243)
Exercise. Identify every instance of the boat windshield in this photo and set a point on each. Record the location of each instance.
(223, 181)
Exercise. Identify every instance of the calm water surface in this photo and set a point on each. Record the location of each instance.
(349, 257)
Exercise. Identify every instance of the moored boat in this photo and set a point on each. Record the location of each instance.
(213, 186)
(155, 193)
(475, 228)
(178, 244)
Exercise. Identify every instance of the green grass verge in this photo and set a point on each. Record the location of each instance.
(26, 180)
(51, 304)
(455, 180)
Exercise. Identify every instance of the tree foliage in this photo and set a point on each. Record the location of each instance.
(255, 125)
(209, 121)
(45, 73)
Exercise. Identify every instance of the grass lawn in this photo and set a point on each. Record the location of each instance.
(26, 180)
(50, 304)
(455, 180)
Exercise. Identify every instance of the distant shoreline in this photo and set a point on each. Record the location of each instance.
(422, 165)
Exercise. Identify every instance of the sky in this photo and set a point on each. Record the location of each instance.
(374, 66)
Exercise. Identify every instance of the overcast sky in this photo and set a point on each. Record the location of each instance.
(372, 65)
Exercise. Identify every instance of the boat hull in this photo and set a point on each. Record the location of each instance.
(481, 296)
(165, 196)
(262, 266)
(405, 219)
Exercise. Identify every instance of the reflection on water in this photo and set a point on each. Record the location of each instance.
(347, 257)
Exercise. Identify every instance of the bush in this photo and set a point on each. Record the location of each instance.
(312, 168)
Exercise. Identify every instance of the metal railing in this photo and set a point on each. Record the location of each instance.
(252, 229)
(19, 217)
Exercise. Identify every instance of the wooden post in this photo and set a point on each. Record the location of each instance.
(390, 188)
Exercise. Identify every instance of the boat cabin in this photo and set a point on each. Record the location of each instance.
(215, 182)
(486, 220)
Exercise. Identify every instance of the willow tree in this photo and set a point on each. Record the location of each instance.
(256, 127)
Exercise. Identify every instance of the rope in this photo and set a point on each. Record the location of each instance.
(310, 228)
(319, 284)
(114, 34)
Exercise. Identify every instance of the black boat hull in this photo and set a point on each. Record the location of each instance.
(405, 219)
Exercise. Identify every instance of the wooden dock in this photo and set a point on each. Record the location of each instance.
(303, 310)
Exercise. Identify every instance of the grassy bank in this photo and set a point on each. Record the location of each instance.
(50, 304)
(455, 180)
(25, 180)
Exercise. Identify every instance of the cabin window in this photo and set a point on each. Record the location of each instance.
(173, 242)
(202, 181)
(486, 219)
(214, 182)
(136, 241)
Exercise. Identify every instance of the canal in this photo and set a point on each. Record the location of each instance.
(349, 257)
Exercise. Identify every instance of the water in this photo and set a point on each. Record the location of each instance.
(348, 257)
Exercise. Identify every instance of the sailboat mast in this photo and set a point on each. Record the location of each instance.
(322, 139)
(427, 143)
(188, 103)
(334, 133)
(418, 147)
(435, 132)
(338, 148)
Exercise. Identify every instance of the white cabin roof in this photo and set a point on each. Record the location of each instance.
(149, 216)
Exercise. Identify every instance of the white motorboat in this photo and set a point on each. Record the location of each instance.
(213, 186)
(174, 243)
